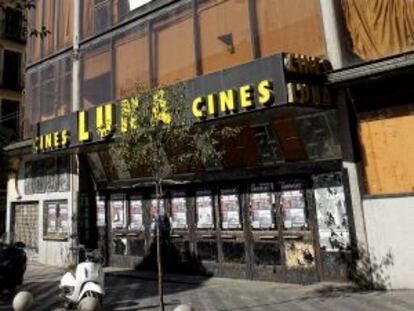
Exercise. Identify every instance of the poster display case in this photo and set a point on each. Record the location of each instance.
(261, 206)
(293, 208)
(136, 213)
(204, 210)
(57, 220)
(118, 210)
(178, 211)
(100, 211)
(153, 211)
(230, 209)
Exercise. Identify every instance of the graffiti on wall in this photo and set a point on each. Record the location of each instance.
(299, 254)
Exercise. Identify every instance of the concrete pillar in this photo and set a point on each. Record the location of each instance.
(352, 163)
(333, 37)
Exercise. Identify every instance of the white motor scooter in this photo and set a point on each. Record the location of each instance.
(88, 281)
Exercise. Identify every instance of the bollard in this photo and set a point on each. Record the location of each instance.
(23, 301)
(89, 304)
(184, 308)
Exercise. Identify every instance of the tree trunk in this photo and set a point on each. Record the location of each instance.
(159, 250)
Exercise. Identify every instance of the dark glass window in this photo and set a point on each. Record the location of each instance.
(9, 116)
(12, 70)
(13, 28)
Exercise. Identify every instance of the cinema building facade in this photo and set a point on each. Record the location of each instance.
(286, 201)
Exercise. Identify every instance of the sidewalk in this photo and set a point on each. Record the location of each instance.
(239, 283)
(127, 289)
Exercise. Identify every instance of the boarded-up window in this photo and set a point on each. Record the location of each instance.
(173, 50)
(290, 26)
(225, 34)
(379, 28)
(388, 152)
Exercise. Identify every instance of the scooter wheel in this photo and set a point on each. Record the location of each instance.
(90, 302)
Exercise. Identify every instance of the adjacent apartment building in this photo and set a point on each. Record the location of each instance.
(317, 185)
(12, 52)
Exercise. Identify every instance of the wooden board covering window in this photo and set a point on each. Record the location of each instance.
(228, 18)
(388, 153)
(173, 48)
(290, 26)
(131, 63)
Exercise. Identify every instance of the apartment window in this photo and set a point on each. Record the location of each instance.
(12, 70)
(13, 24)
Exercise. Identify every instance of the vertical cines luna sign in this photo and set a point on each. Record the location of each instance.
(275, 81)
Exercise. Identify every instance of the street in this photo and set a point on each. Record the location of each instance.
(218, 294)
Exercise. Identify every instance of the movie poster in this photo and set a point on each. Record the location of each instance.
(51, 217)
(63, 217)
(230, 210)
(179, 213)
(135, 212)
(292, 205)
(100, 210)
(261, 210)
(118, 211)
(204, 206)
(57, 219)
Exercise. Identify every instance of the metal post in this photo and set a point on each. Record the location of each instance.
(74, 186)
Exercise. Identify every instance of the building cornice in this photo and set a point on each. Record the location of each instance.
(19, 148)
(384, 67)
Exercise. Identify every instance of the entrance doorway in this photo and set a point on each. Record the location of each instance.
(26, 227)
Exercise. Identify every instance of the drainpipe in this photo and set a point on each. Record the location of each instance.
(330, 11)
(75, 107)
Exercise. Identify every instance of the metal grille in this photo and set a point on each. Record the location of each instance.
(26, 225)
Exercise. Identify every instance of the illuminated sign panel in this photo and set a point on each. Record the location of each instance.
(279, 80)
